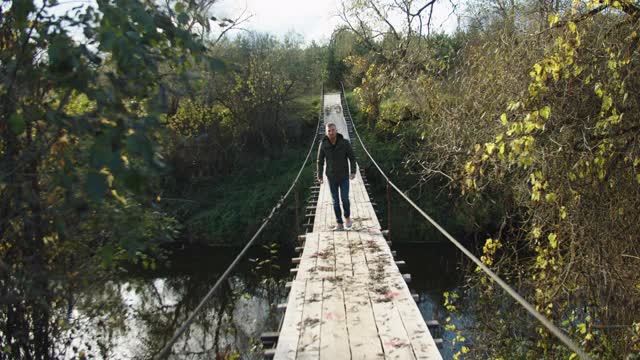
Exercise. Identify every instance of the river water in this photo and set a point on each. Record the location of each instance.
(137, 315)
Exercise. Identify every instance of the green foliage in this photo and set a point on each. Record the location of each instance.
(529, 120)
(78, 152)
(336, 68)
(228, 213)
(233, 148)
(390, 143)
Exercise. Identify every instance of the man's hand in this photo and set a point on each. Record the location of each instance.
(320, 180)
(352, 176)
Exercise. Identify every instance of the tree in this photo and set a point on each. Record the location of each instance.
(80, 117)
(532, 121)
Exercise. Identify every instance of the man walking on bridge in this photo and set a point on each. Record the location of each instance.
(336, 150)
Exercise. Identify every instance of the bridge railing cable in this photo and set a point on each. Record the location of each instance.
(167, 348)
(557, 332)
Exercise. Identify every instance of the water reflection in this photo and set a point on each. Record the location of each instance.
(134, 318)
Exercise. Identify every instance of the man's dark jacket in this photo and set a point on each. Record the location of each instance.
(336, 155)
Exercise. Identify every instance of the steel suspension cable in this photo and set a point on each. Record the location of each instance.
(167, 348)
(508, 289)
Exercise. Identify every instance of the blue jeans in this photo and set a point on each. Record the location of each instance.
(343, 187)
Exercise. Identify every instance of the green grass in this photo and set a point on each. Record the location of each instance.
(232, 210)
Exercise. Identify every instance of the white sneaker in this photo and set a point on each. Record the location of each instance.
(338, 227)
(349, 223)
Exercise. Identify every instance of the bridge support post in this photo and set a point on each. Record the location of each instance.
(297, 205)
(389, 210)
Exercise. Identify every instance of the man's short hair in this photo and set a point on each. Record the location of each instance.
(330, 124)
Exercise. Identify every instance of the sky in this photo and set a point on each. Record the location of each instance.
(313, 19)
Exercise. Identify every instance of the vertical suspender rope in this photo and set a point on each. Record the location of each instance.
(388, 210)
(167, 348)
(508, 289)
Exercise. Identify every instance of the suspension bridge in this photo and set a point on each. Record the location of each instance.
(348, 298)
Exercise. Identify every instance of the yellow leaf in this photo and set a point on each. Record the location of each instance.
(469, 167)
(108, 122)
(536, 232)
(535, 195)
(108, 175)
(537, 68)
(607, 101)
(550, 197)
(490, 147)
(598, 90)
(121, 199)
(583, 328)
(577, 70)
(503, 119)
(553, 240)
(545, 112)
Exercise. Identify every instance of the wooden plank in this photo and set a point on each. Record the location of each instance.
(355, 216)
(324, 218)
(291, 326)
(372, 211)
(364, 340)
(327, 203)
(308, 346)
(397, 291)
(326, 196)
(309, 256)
(344, 269)
(319, 209)
(424, 347)
(371, 214)
(326, 266)
(358, 193)
(333, 334)
(358, 261)
(370, 219)
(396, 342)
(365, 218)
(379, 257)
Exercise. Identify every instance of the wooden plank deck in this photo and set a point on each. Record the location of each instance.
(349, 300)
